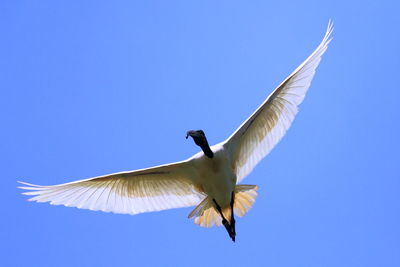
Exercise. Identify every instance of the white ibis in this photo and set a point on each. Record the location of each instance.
(209, 179)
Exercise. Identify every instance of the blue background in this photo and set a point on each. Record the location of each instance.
(95, 87)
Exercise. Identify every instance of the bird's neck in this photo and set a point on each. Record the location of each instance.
(207, 151)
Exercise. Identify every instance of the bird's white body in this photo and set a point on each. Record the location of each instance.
(215, 176)
(209, 183)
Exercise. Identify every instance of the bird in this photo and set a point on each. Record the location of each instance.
(210, 179)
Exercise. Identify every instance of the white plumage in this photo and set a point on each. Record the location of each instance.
(208, 182)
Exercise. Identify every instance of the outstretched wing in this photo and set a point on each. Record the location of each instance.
(256, 137)
(153, 189)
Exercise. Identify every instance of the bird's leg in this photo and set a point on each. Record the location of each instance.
(224, 221)
(233, 217)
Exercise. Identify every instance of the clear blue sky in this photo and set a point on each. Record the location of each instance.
(104, 86)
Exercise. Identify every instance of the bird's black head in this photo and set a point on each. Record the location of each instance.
(200, 139)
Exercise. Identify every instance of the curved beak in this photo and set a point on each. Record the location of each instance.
(190, 133)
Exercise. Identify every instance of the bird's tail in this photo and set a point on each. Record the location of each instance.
(206, 215)
(245, 196)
